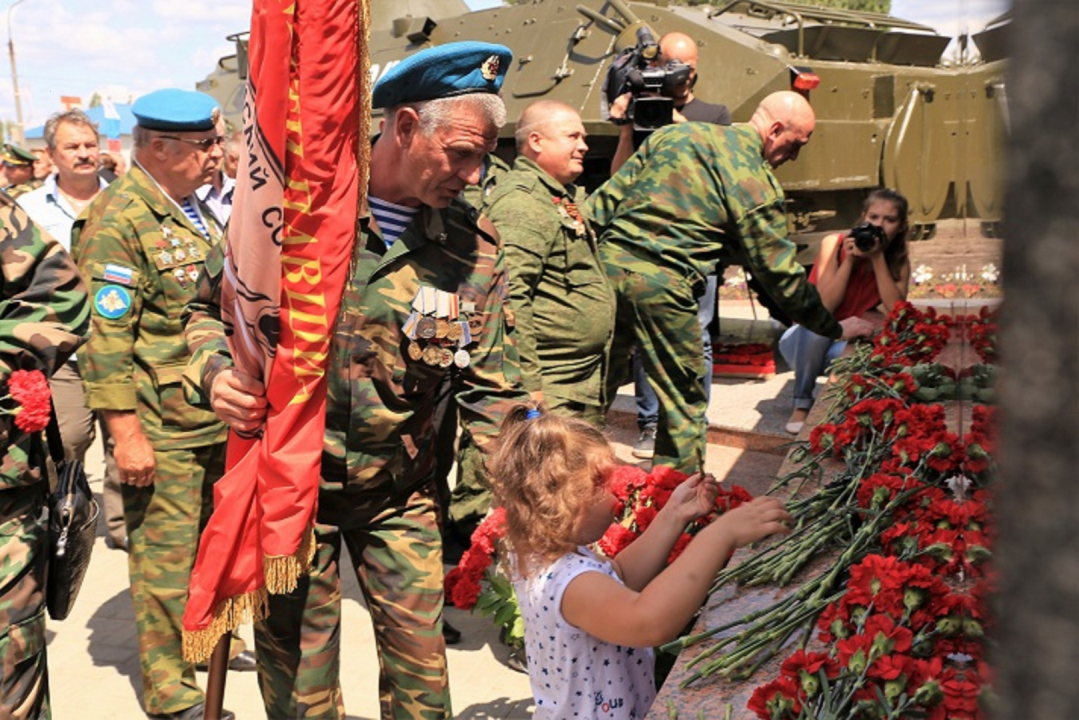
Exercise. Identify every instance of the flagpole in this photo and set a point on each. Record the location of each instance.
(215, 683)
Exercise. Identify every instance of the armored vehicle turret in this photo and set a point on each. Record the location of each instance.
(890, 109)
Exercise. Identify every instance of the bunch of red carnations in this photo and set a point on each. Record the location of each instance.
(640, 496)
(910, 336)
(981, 333)
(29, 399)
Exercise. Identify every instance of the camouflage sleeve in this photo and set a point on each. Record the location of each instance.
(491, 384)
(527, 235)
(770, 256)
(603, 204)
(43, 308)
(108, 238)
(204, 331)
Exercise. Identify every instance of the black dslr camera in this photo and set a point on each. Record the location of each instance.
(867, 236)
(632, 71)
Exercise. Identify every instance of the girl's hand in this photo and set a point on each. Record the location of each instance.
(694, 498)
(755, 520)
(851, 249)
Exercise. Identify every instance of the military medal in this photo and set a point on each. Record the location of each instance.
(461, 358)
(415, 351)
(180, 276)
(442, 328)
(180, 255)
(193, 273)
(166, 257)
(432, 355)
(445, 358)
(453, 333)
(426, 328)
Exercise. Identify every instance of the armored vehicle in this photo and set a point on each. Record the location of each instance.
(890, 109)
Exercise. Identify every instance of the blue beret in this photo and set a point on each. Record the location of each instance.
(442, 71)
(176, 110)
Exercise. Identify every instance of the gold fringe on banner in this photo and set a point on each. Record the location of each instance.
(233, 612)
(282, 572)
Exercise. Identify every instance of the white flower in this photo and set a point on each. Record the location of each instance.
(922, 274)
(738, 279)
(959, 484)
(990, 273)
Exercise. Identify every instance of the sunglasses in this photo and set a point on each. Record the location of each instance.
(205, 144)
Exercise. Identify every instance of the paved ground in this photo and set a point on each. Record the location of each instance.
(92, 655)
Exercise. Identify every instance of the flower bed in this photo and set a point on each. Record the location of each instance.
(891, 621)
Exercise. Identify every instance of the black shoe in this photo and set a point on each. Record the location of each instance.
(195, 712)
(244, 662)
(450, 633)
(113, 544)
(518, 661)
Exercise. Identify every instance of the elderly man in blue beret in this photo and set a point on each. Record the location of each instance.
(141, 245)
(424, 306)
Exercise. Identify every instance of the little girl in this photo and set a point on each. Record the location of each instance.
(590, 623)
(851, 282)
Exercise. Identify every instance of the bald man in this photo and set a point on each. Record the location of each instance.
(695, 195)
(562, 303)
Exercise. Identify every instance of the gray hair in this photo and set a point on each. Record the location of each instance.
(437, 113)
(72, 117)
(141, 137)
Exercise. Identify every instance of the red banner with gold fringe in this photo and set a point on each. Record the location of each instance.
(288, 246)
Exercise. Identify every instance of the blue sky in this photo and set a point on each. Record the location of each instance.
(124, 48)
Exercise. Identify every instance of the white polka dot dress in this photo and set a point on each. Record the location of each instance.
(573, 674)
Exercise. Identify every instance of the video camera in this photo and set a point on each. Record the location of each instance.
(867, 236)
(633, 71)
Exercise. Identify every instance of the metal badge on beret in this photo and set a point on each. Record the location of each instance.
(426, 328)
(489, 68)
(414, 350)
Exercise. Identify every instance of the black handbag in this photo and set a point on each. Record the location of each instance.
(73, 515)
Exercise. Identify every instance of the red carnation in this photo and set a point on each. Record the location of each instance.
(30, 391)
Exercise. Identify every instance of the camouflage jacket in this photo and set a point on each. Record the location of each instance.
(695, 194)
(383, 384)
(15, 191)
(562, 304)
(142, 256)
(43, 318)
(494, 168)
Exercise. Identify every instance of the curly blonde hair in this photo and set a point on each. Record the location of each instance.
(545, 471)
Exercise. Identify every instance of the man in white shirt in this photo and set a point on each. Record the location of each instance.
(71, 141)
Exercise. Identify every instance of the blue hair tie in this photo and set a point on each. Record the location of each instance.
(532, 414)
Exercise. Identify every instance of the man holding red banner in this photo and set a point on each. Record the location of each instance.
(423, 303)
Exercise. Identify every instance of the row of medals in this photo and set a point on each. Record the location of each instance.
(442, 334)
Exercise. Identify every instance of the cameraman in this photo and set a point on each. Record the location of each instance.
(673, 47)
(854, 273)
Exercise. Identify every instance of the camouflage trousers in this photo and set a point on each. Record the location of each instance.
(24, 542)
(398, 562)
(656, 312)
(164, 521)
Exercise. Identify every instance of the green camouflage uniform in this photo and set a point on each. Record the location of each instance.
(562, 304)
(15, 191)
(694, 195)
(43, 318)
(378, 460)
(142, 257)
(465, 506)
(493, 169)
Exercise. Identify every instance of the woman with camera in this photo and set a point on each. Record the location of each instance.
(854, 273)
